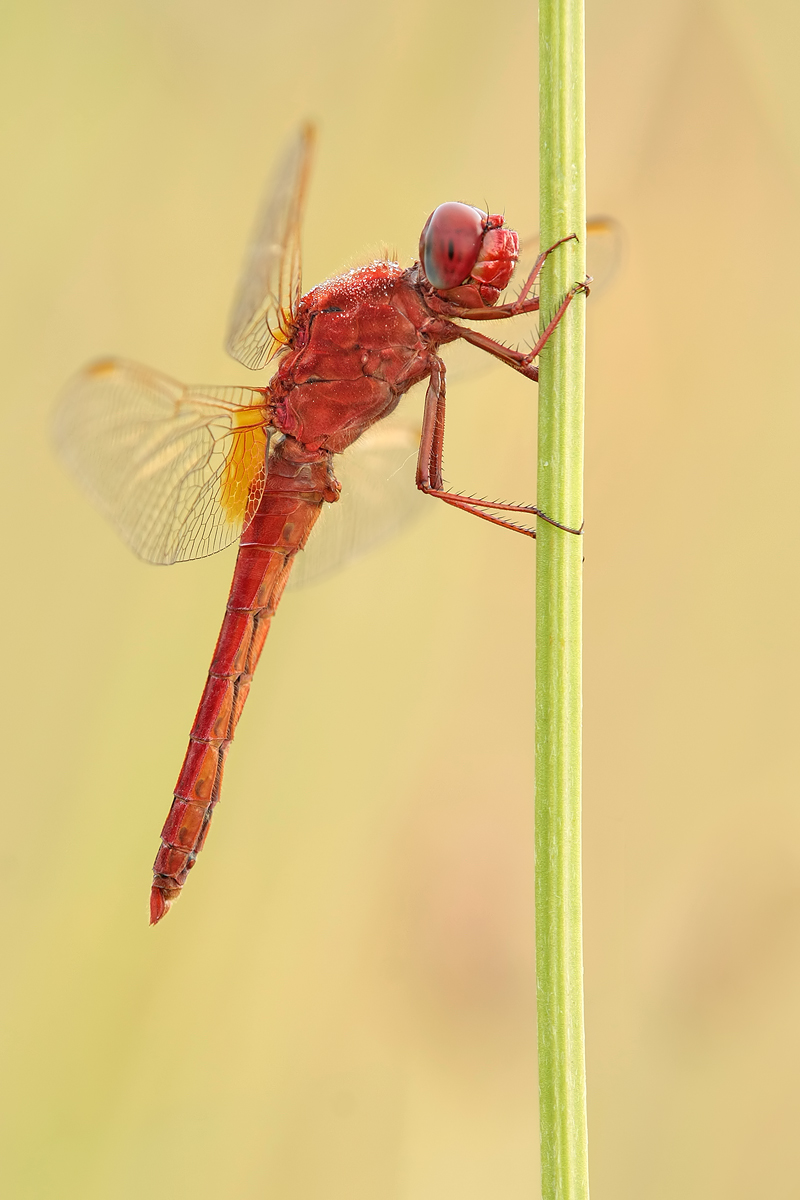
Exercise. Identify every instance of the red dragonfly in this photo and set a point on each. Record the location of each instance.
(184, 471)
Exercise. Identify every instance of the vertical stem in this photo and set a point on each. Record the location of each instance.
(559, 948)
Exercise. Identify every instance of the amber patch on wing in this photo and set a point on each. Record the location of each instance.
(103, 366)
(244, 464)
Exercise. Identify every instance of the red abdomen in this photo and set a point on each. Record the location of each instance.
(293, 495)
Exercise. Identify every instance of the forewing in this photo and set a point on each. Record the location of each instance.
(270, 286)
(379, 496)
(178, 470)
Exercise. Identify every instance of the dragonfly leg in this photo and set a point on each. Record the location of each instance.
(537, 267)
(515, 358)
(429, 467)
(512, 358)
(552, 325)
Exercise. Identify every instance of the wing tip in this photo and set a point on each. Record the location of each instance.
(100, 367)
(308, 131)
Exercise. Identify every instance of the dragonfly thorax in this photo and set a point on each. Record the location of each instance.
(357, 346)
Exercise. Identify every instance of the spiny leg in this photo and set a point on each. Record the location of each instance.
(506, 354)
(429, 466)
(515, 358)
(555, 320)
(537, 266)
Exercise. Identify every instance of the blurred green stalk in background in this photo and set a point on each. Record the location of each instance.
(559, 946)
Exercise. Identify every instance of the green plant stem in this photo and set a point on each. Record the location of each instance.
(559, 943)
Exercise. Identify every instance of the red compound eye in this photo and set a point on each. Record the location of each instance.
(450, 244)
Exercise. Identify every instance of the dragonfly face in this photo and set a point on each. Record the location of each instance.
(462, 246)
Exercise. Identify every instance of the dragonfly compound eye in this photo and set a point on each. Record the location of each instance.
(450, 244)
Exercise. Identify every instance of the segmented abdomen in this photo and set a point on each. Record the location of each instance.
(289, 506)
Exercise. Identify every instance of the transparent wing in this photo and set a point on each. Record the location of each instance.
(605, 250)
(604, 254)
(379, 496)
(178, 470)
(265, 305)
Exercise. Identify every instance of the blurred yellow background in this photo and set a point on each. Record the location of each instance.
(342, 1005)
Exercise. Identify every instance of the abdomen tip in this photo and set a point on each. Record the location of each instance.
(159, 905)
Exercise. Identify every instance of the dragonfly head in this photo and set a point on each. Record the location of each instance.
(462, 248)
